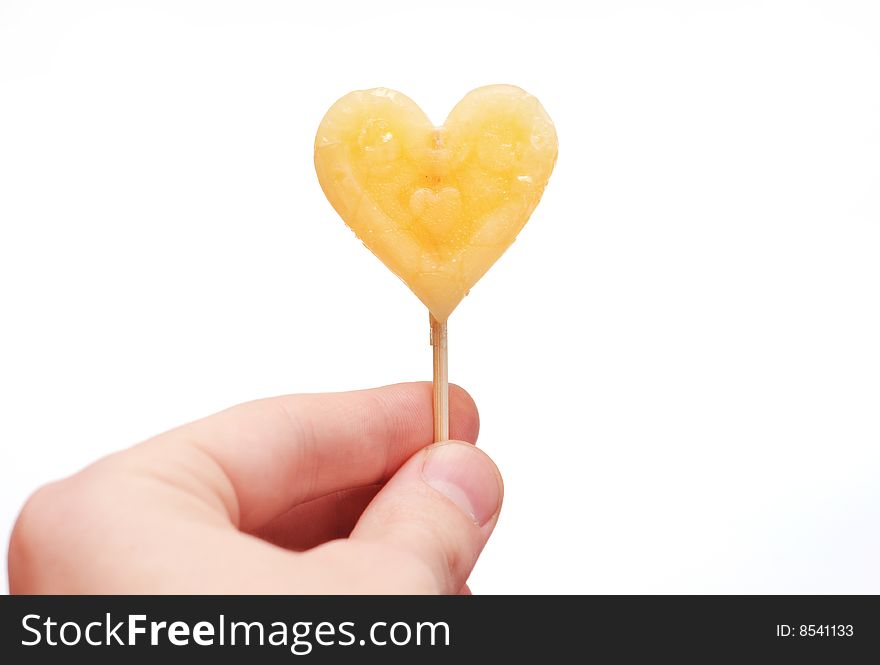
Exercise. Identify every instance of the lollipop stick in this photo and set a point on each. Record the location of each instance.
(441, 380)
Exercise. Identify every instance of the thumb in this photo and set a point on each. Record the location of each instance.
(440, 507)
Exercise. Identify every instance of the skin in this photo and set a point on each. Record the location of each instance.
(331, 493)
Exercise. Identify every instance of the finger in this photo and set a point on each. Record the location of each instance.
(465, 591)
(262, 458)
(439, 509)
(318, 521)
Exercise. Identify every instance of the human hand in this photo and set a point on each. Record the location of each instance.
(331, 493)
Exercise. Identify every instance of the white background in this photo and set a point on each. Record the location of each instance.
(677, 364)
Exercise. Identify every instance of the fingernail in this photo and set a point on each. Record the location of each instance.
(465, 476)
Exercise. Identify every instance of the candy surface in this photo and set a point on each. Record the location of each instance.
(438, 205)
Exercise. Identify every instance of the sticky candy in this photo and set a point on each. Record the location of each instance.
(438, 205)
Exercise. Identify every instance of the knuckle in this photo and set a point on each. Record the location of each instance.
(52, 526)
(51, 515)
(39, 513)
(39, 525)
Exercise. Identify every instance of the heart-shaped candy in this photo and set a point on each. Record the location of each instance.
(438, 205)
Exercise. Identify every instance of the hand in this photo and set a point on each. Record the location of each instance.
(332, 493)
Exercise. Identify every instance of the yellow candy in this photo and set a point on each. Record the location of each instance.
(438, 205)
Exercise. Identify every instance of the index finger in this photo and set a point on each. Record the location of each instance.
(276, 453)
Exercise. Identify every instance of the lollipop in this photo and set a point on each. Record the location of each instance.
(437, 205)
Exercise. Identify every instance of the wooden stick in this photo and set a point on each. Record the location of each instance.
(441, 380)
